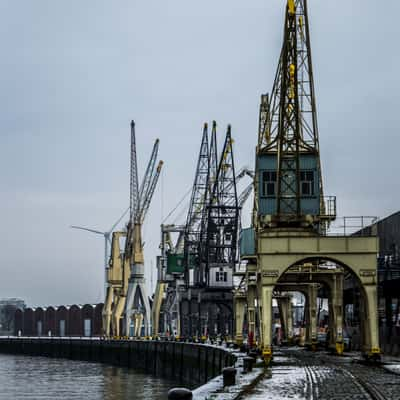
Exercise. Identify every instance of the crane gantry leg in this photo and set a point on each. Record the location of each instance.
(106, 314)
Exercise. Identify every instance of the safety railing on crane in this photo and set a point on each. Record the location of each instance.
(353, 226)
(328, 209)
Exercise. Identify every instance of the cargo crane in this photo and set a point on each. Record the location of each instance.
(287, 246)
(171, 282)
(288, 144)
(218, 236)
(289, 189)
(137, 307)
(125, 274)
(200, 191)
(173, 276)
(178, 293)
(126, 270)
(211, 245)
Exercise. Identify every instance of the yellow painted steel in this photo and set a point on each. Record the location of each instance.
(120, 296)
(374, 354)
(267, 355)
(117, 283)
(137, 244)
(376, 350)
(291, 7)
(314, 346)
(284, 301)
(106, 314)
(280, 249)
(251, 304)
(158, 298)
(311, 314)
(339, 348)
(292, 71)
(239, 303)
(301, 26)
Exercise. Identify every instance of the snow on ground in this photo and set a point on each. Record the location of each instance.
(284, 381)
(394, 368)
(214, 389)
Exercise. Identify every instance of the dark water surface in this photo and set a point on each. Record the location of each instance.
(24, 377)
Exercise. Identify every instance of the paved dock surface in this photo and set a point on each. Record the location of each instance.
(298, 374)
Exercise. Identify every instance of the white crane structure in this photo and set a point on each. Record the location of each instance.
(137, 307)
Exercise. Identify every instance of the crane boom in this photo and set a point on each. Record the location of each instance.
(136, 304)
(213, 158)
(147, 178)
(134, 183)
(245, 195)
(242, 173)
(150, 192)
(218, 239)
(199, 193)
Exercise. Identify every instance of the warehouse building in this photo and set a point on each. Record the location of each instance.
(75, 320)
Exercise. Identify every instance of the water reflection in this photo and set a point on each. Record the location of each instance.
(24, 377)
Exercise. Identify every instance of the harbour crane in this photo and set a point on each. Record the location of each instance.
(218, 235)
(137, 307)
(288, 134)
(189, 233)
(289, 198)
(172, 289)
(126, 291)
(210, 243)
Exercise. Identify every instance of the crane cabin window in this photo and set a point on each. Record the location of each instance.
(221, 276)
(268, 186)
(307, 183)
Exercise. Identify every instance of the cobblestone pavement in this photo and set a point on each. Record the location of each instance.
(298, 374)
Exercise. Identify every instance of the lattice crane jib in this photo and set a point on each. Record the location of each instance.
(134, 181)
(219, 248)
(213, 157)
(140, 200)
(199, 194)
(289, 188)
(146, 186)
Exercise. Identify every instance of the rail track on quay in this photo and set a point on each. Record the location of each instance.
(299, 374)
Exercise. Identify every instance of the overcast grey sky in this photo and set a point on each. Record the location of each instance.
(74, 73)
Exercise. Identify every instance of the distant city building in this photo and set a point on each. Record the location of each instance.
(8, 307)
(14, 301)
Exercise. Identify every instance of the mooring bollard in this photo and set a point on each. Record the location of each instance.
(180, 394)
(248, 364)
(254, 355)
(229, 375)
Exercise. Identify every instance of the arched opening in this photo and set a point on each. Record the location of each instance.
(87, 320)
(97, 322)
(75, 321)
(333, 290)
(18, 322)
(39, 321)
(29, 322)
(50, 321)
(62, 321)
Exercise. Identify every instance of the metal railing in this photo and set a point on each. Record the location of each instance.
(328, 210)
(353, 226)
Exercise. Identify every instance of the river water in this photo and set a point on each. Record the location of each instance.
(39, 378)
